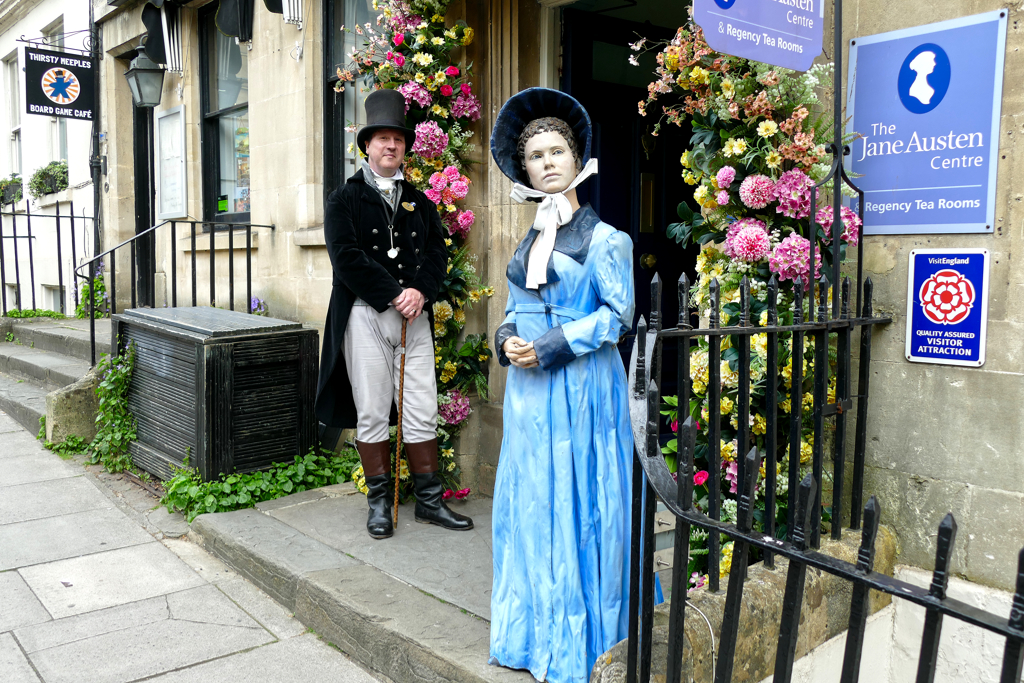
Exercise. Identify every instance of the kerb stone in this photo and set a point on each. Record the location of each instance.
(71, 411)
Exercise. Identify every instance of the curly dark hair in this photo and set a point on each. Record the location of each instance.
(549, 124)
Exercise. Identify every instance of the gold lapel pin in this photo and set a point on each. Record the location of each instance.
(407, 206)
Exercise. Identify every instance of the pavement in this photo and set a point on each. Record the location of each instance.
(98, 585)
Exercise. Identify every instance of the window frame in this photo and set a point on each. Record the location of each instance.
(15, 148)
(209, 132)
(338, 163)
(53, 35)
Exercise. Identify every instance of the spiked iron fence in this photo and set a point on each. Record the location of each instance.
(651, 476)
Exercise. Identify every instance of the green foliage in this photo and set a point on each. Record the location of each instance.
(50, 178)
(99, 296)
(42, 428)
(115, 423)
(13, 182)
(188, 494)
(35, 313)
(9, 337)
(67, 448)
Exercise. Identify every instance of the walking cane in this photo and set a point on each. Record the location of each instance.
(398, 447)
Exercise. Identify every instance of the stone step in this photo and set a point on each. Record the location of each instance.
(22, 400)
(68, 337)
(49, 369)
(389, 626)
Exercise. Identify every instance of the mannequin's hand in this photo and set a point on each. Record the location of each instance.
(520, 352)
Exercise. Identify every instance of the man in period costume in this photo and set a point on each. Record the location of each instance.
(386, 244)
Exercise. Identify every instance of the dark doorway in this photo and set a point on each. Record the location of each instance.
(639, 183)
(145, 206)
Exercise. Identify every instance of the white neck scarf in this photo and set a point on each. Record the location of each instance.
(554, 211)
(385, 183)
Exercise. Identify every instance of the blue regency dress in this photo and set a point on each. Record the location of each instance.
(562, 494)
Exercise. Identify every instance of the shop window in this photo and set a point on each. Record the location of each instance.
(12, 86)
(345, 108)
(225, 111)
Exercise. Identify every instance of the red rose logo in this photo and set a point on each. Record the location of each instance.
(947, 297)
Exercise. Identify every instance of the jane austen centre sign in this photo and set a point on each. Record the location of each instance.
(59, 84)
(925, 102)
(785, 33)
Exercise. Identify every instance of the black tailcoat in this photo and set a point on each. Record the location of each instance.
(356, 232)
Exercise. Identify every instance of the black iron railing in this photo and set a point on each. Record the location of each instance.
(18, 236)
(653, 480)
(91, 269)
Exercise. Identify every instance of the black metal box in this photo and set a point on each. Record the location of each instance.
(233, 392)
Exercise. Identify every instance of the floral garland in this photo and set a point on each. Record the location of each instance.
(758, 146)
(410, 49)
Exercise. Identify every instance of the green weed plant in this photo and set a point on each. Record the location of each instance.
(116, 427)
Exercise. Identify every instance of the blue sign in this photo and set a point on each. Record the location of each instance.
(925, 103)
(947, 306)
(785, 33)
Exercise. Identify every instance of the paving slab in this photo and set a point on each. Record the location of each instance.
(58, 538)
(299, 659)
(110, 578)
(15, 439)
(46, 367)
(55, 634)
(454, 566)
(23, 401)
(13, 664)
(18, 606)
(203, 563)
(41, 466)
(50, 499)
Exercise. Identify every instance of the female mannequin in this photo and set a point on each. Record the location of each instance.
(562, 493)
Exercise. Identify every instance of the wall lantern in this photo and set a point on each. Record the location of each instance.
(146, 80)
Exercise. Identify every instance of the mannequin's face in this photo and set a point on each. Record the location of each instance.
(385, 151)
(549, 162)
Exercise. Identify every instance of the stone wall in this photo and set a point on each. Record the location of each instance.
(943, 438)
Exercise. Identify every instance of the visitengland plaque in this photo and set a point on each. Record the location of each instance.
(947, 306)
(925, 104)
(785, 33)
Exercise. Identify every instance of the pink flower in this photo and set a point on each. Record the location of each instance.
(414, 92)
(731, 474)
(399, 59)
(700, 477)
(851, 224)
(674, 426)
(454, 407)
(725, 176)
(747, 240)
(446, 90)
(452, 174)
(431, 141)
(447, 196)
(390, 56)
(722, 197)
(433, 195)
(791, 259)
(793, 192)
(756, 191)
(460, 189)
(438, 181)
(447, 495)
(452, 71)
(465, 222)
(466, 106)
(466, 90)
(398, 39)
(461, 493)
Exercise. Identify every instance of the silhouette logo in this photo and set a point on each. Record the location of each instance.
(725, 4)
(924, 78)
(61, 86)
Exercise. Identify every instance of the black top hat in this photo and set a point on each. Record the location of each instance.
(385, 109)
(529, 105)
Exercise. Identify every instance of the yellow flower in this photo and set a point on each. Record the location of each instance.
(760, 425)
(448, 372)
(440, 330)
(437, 359)
(403, 470)
(448, 453)
(806, 452)
(698, 75)
(440, 77)
(416, 175)
(450, 467)
(352, 147)
(760, 346)
(467, 36)
(730, 378)
(690, 178)
(728, 89)
(442, 311)
(728, 450)
(436, 40)
(774, 159)
(763, 320)
(450, 33)
(766, 129)
(726, 404)
(482, 357)
(438, 165)
(734, 147)
(448, 243)
(685, 160)
(450, 208)
(437, 19)
(460, 316)
(699, 370)
(701, 193)
(440, 111)
(422, 58)
(725, 565)
(420, 78)
(360, 480)
(808, 401)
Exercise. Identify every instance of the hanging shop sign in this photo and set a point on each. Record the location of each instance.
(59, 84)
(785, 33)
(926, 104)
(947, 306)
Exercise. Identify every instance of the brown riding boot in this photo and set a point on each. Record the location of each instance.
(376, 460)
(430, 507)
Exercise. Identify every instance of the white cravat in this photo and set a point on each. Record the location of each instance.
(554, 211)
(386, 184)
